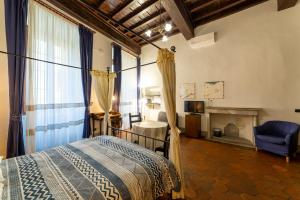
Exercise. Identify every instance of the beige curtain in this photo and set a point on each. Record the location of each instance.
(104, 86)
(166, 65)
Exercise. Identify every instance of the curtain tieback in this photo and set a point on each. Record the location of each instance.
(16, 118)
(176, 129)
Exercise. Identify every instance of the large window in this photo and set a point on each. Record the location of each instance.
(54, 96)
(128, 100)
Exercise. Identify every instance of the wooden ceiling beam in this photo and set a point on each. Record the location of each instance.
(154, 26)
(147, 20)
(284, 4)
(158, 37)
(231, 5)
(80, 11)
(195, 7)
(153, 36)
(137, 11)
(180, 17)
(122, 6)
(99, 3)
(229, 11)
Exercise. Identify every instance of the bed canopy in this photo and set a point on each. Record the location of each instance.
(104, 84)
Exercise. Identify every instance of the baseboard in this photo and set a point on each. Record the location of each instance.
(204, 134)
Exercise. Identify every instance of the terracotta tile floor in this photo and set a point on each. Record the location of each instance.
(220, 171)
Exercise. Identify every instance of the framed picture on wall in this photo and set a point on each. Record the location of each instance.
(214, 90)
(187, 91)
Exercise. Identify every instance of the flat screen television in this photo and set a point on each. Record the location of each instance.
(194, 106)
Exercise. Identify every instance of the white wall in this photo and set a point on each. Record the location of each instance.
(257, 54)
(102, 55)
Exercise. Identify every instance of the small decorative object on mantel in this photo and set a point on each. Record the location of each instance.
(187, 91)
(213, 90)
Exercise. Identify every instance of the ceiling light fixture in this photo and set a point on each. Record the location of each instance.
(168, 27)
(165, 38)
(164, 28)
(148, 33)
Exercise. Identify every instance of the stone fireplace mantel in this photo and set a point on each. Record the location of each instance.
(246, 116)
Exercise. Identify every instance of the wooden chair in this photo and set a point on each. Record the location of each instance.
(162, 117)
(165, 148)
(134, 118)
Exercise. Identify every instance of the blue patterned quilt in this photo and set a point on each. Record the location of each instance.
(104, 167)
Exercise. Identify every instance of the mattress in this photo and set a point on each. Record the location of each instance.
(104, 167)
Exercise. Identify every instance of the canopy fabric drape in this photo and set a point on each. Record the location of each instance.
(104, 86)
(86, 55)
(117, 66)
(166, 65)
(15, 21)
(138, 76)
(54, 98)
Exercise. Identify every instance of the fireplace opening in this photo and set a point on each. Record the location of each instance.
(231, 130)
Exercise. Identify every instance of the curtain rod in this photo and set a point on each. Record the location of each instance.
(150, 63)
(61, 14)
(65, 65)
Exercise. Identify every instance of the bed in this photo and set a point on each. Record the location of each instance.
(104, 167)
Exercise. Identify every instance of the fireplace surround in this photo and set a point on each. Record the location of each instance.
(236, 124)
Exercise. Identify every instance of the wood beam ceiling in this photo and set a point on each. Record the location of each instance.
(180, 17)
(225, 11)
(99, 3)
(147, 20)
(284, 4)
(154, 26)
(89, 17)
(122, 6)
(157, 37)
(199, 5)
(231, 5)
(137, 11)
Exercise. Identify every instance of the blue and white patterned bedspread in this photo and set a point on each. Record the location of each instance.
(104, 167)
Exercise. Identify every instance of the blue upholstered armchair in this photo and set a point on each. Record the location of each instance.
(277, 137)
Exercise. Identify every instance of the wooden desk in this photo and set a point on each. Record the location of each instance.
(115, 117)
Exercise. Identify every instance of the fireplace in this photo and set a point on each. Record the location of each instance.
(231, 130)
(236, 124)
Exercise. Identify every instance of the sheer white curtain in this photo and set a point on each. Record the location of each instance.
(54, 96)
(104, 87)
(128, 99)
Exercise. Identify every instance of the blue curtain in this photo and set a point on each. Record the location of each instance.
(117, 62)
(15, 21)
(138, 70)
(86, 54)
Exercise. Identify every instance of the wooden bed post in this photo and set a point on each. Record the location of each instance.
(107, 95)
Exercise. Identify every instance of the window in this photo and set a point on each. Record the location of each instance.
(54, 95)
(128, 99)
